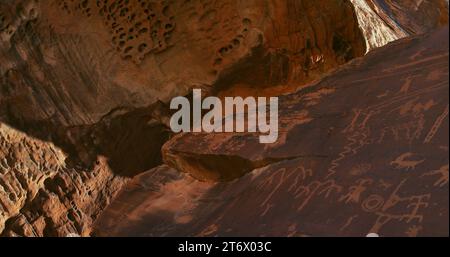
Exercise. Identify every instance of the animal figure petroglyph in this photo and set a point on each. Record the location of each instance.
(402, 162)
(354, 193)
(443, 180)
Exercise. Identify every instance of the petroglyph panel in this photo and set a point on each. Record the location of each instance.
(369, 156)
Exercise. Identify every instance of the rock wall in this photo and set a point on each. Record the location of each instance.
(363, 151)
(84, 84)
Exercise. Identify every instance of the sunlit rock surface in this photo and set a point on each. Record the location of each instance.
(383, 21)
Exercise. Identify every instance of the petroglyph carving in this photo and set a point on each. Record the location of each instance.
(282, 178)
(316, 188)
(348, 222)
(296, 175)
(386, 213)
(437, 124)
(409, 131)
(302, 174)
(403, 162)
(372, 203)
(354, 193)
(356, 141)
(422, 107)
(411, 105)
(359, 121)
(443, 179)
(360, 169)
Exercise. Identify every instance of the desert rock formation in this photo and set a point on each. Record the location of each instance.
(84, 87)
(363, 151)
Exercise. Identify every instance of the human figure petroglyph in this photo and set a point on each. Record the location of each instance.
(384, 218)
(359, 133)
(385, 214)
(402, 162)
(443, 179)
(417, 202)
(354, 192)
(408, 107)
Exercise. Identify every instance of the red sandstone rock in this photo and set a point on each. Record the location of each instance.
(83, 86)
(363, 151)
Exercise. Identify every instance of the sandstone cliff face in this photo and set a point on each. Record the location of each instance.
(363, 151)
(84, 84)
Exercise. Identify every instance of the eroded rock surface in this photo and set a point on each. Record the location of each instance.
(41, 196)
(363, 151)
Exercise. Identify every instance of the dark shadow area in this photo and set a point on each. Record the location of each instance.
(130, 138)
